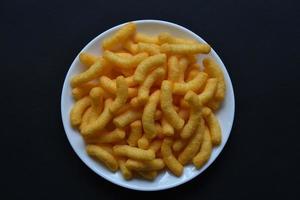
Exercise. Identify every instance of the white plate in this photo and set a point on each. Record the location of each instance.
(165, 180)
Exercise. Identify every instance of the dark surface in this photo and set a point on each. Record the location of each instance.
(257, 40)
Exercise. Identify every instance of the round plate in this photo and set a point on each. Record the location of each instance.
(165, 179)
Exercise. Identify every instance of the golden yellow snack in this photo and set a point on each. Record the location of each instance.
(185, 48)
(152, 165)
(192, 74)
(151, 49)
(107, 137)
(140, 37)
(133, 152)
(166, 105)
(111, 86)
(214, 128)
(131, 47)
(103, 156)
(147, 65)
(127, 117)
(155, 145)
(144, 142)
(124, 54)
(100, 123)
(127, 174)
(205, 150)
(179, 144)
(144, 89)
(119, 37)
(97, 69)
(88, 116)
(206, 111)
(124, 62)
(135, 133)
(149, 175)
(167, 129)
(130, 82)
(194, 85)
(121, 95)
(96, 95)
(123, 109)
(209, 90)
(214, 71)
(195, 116)
(168, 38)
(87, 59)
(193, 146)
(78, 110)
(169, 159)
(83, 90)
(214, 104)
(173, 69)
(182, 65)
(148, 117)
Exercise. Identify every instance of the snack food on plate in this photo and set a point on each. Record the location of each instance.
(146, 104)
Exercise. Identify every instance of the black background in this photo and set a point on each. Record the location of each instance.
(257, 40)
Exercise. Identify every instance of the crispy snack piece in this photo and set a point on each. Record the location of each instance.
(78, 110)
(119, 37)
(107, 137)
(103, 156)
(131, 46)
(87, 59)
(171, 162)
(111, 87)
(182, 65)
(193, 146)
(144, 90)
(214, 128)
(135, 133)
(167, 129)
(144, 142)
(100, 67)
(185, 48)
(155, 145)
(149, 175)
(173, 69)
(214, 71)
(96, 95)
(127, 174)
(127, 117)
(140, 37)
(179, 144)
(83, 90)
(205, 150)
(151, 49)
(209, 91)
(168, 109)
(195, 115)
(133, 152)
(100, 123)
(151, 165)
(121, 95)
(194, 85)
(168, 38)
(147, 65)
(148, 117)
(124, 62)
